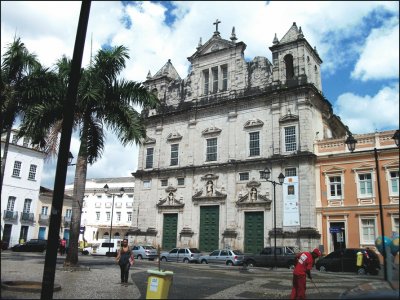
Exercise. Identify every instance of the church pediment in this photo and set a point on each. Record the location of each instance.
(364, 167)
(214, 44)
(333, 170)
(175, 136)
(209, 194)
(149, 141)
(170, 202)
(289, 118)
(253, 123)
(211, 131)
(251, 197)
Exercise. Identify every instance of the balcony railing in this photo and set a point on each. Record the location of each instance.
(27, 217)
(10, 215)
(44, 219)
(67, 221)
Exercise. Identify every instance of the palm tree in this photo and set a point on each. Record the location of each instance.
(103, 101)
(17, 66)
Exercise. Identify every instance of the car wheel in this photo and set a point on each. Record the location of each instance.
(361, 271)
(139, 257)
(322, 269)
(229, 263)
(186, 261)
(203, 261)
(249, 264)
(163, 258)
(85, 252)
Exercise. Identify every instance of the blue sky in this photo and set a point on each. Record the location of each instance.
(357, 41)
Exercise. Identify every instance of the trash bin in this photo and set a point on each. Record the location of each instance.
(158, 284)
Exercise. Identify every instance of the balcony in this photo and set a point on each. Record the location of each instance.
(67, 221)
(10, 215)
(27, 218)
(44, 220)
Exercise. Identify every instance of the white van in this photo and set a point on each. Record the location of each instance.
(102, 248)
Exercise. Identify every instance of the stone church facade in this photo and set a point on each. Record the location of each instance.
(198, 179)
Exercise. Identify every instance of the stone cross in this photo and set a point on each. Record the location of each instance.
(216, 24)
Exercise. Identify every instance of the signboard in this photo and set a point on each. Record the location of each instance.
(291, 216)
(335, 229)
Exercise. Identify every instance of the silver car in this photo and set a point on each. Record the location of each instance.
(144, 252)
(185, 255)
(223, 256)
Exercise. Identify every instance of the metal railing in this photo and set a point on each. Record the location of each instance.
(10, 215)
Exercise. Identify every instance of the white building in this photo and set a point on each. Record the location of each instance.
(198, 178)
(20, 191)
(98, 212)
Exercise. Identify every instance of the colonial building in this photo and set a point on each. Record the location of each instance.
(106, 212)
(198, 179)
(20, 191)
(352, 186)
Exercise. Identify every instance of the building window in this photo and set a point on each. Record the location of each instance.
(290, 172)
(289, 66)
(68, 213)
(27, 205)
(146, 184)
(17, 168)
(394, 183)
(174, 154)
(290, 138)
(254, 143)
(108, 215)
(181, 181)
(215, 79)
(14, 139)
(335, 187)
(224, 70)
(129, 215)
(97, 216)
(365, 185)
(119, 216)
(244, 176)
(206, 77)
(368, 231)
(45, 210)
(164, 182)
(26, 142)
(149, 158)
(11, 203)
(212, 149)
(32, 172)
(395, 224)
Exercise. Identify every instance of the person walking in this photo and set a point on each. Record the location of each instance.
(123, 256)
(303, 265)
(63, 246)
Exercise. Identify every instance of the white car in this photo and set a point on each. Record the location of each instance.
(145, 252)
(104, 248)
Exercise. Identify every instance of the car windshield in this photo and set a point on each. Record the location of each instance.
(149, 247)
(194, 250)
(237, 252)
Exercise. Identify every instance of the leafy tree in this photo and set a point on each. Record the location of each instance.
(104, 101)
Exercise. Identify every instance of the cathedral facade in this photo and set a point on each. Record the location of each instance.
(198, 179)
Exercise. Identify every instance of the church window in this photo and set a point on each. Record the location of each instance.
(289, 66)
(174, 154)
(206, 77)
(290, 172)
(211, 149)
(164, 182)
(254, 145)
(224, 70)
(215, 79)
(244, 176)
(149, 158)
(181, 181)
(290, 138)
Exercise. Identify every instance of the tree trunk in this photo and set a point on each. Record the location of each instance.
(77, 202)
(4, 158)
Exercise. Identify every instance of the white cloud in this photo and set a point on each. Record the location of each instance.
(380, 55)
(367, 113)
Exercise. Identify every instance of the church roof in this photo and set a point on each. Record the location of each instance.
(293, 34)
(167, 70)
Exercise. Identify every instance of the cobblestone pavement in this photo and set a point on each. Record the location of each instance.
(190, 281)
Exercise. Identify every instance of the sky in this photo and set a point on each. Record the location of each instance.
(358, 43)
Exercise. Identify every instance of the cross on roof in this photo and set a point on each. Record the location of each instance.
(216, 24)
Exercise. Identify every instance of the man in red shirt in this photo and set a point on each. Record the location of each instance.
(304, 263)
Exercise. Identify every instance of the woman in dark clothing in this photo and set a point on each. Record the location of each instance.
(122, 258)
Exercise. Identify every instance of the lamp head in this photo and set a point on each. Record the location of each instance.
(70, 157)
(396, 137)
(281, 178)
(351, 143)
(121, 191)
(105, 188)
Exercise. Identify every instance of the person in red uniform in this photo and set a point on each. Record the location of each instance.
(304, 263)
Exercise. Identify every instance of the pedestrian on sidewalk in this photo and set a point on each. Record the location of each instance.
(303, 265)
(123, 256)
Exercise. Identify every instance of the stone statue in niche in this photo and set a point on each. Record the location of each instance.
(171, 198)
(253, 194)
(210, 188)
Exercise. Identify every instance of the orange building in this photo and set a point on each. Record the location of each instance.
(351, 186)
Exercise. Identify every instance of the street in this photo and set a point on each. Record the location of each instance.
(190, 281)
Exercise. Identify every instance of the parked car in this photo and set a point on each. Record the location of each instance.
(144, 252)
(285, 257)
(102, 248)
(33, 245)
(345, 260)
(223, 256)
(185, 255)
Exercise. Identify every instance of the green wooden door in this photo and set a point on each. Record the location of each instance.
(169, 231)
(209, 228)
(253, 232)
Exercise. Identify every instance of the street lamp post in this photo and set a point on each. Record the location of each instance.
(121, 192)
(266, 174)
(351, 144)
